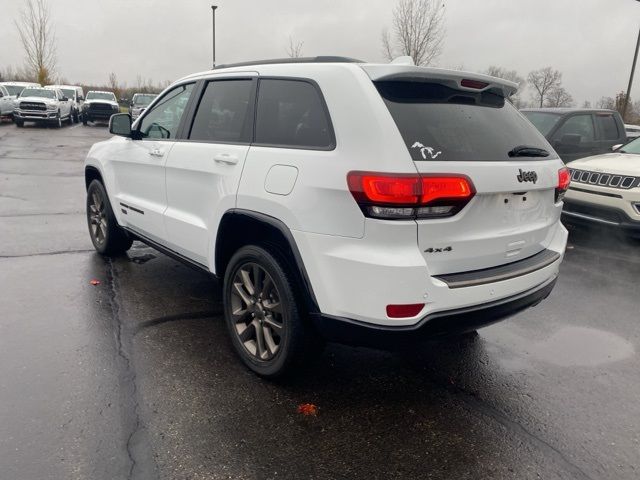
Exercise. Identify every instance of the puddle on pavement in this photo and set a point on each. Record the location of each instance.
(567, 347)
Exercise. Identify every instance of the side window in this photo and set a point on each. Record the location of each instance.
(291, 114)
(608, 126)
(222, 115)
(163, 120)
(577, 125)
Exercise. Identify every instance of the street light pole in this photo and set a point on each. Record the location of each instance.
(213, 15)
(633, 69)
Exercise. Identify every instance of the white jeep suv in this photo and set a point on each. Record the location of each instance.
(605, 190)
(338, 200)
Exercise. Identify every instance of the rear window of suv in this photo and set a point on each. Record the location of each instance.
(439, 123)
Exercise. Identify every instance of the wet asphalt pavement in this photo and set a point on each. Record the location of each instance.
(135, 377)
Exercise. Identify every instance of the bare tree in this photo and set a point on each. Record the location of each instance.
(294, 49)
(418, 31)
(38, 39)
(559, 97)
(606, 102)
(114, 85)
(586, 104)
(544, 81)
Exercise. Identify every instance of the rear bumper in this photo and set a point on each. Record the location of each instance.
(450, 322)
(358, 278)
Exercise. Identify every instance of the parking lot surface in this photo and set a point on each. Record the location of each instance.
(135, 378)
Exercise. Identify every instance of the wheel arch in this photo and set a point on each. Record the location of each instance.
(92, 173)
(267, 232)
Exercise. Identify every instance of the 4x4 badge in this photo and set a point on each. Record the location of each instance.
(527, 176)
(438, 250)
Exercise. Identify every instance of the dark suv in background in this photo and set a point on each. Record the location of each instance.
(576, 133)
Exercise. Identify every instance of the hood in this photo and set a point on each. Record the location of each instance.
(107, 102)
(46, 101)
(617, 163)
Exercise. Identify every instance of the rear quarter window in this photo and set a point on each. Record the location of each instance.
(439, 123)
(292, 114)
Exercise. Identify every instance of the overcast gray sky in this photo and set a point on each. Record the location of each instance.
(590, 41)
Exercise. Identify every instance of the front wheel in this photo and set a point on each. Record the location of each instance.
(70, 119)
(262, 315)
(107, 237)
(58, 122)
(19, 123)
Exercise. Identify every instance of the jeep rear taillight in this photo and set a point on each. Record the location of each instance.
(409, 196)
(564, 179)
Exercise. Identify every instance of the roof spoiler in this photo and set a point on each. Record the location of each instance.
(466, 81)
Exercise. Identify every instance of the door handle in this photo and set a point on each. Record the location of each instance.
(156, 152)
(226, 158)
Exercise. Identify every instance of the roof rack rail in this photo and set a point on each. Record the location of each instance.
(320, 59)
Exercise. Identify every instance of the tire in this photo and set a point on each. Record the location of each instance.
(84, 120)
(19, 123)
(70, 119)
(266, 327)
(58, 123)
(76, 117)
(107, 237)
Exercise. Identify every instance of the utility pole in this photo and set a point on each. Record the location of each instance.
(213, 15)
(633, 69)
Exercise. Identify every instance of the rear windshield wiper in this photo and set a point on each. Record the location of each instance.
(527, 151)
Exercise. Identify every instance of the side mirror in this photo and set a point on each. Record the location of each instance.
(616, 147)
(572, 139)
(120, 124)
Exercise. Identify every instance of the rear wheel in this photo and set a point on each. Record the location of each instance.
(262, 314)
(76, 117)
(84, 119)
(107, 237)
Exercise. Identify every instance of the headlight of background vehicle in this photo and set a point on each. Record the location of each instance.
(116, 107)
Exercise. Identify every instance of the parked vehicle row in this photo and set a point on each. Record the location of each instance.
(20, 105)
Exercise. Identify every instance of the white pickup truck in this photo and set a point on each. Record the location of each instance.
(41, 105)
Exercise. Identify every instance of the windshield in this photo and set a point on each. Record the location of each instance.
(14, 89)
(543, 121)
(142, 100)
(101, 96)
(632, 147)
(68, 92)
(38, 92)
(444, 124)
